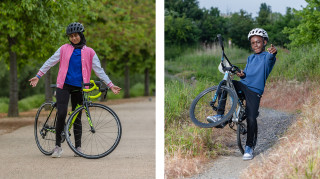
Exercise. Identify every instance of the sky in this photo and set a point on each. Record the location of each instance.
(251, 6)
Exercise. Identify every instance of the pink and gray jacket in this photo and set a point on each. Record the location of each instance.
(89, 61)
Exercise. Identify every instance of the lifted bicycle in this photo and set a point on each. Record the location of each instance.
(225, 98)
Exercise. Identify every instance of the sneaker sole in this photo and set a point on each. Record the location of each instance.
(57, 156)
(247, 158)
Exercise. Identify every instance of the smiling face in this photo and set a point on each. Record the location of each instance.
(74, 38)
(257, 44)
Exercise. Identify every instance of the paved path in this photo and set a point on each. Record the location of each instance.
(133, 158)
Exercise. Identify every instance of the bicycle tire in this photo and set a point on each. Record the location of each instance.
(44, 135)
(107, 131)
(200, 108)
(242, 137)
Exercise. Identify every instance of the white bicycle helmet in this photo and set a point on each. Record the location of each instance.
(259, 32)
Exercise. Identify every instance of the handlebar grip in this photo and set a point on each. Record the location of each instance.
(220, 41)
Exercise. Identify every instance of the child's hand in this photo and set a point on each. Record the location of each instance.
(241, 74)
(34, 81)
(115, 89)
(272, 49)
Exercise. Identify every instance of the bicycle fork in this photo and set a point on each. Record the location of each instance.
(88, 117)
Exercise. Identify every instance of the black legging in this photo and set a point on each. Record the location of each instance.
(252, 109)
(62, 107)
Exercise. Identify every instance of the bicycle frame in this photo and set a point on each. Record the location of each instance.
(86, 104)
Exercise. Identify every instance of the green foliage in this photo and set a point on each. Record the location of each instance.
(264, 15)
(137, 90)
(180, 30)
(25, 104)
(204, 63)
(211, 24)
(300, 63)
(307, 32)
(31, 102)
(239, 26)
(4, 101)
(186, 23)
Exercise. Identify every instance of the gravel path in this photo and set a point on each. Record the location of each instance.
(133, 158)
(272, 124)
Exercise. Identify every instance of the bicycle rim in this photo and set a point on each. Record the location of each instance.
(241, 136)
(44, 128)
(95, 143)
(201, 108)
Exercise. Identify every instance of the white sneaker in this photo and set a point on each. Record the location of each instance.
(78, 149)
(57, 151)
(248, 154)
(215, 118)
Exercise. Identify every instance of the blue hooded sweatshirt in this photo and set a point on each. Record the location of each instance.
(257, 71)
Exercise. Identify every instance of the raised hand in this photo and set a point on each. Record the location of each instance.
(272, 49)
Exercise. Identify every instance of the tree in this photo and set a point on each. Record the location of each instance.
(122, 33)
(239, 25)
(27, 29)
(264, 17)
(307, 32)
(180, 30)
(211, 24)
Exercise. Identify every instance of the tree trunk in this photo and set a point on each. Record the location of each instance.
(126, 81)
(103, 65)
(48, 91)
(146, 82)
(13, 104)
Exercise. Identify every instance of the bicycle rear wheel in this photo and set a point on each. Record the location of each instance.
(202, 106)
(96, 141)
(242, 136)
(44, 128)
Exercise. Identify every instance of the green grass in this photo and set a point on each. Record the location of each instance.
(298, 64)
(31, 102)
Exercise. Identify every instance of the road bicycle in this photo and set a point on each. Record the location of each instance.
(225, 98)
(97, 126)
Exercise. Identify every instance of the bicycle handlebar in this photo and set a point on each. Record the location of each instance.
(232, 68)
(220, 41)
(96, 85)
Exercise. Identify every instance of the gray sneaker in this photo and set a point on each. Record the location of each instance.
(78, 149)
(57, 151)
(215, 118)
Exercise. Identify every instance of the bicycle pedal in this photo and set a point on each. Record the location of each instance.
(220, 126)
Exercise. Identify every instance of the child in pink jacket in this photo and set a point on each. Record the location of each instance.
(76, 62)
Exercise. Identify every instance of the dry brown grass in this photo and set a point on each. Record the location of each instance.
(184, 163)
(297, 155)
(179, 166)
(287, 96)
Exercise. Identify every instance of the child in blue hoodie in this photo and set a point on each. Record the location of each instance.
(252, 83)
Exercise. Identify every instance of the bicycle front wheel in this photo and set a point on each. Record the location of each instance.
(203, 106)
(97, 136)
(44, 128)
